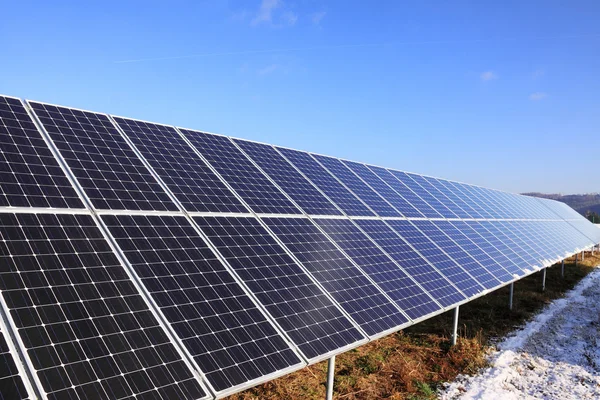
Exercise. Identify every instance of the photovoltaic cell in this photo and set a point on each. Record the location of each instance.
(383, 189)
(291, 181)
(472, 198)
(448, 267)
(30, 175)
(427, 192)
(193, 183)
(239, 172)
(11, 382)
(109, 171)
(455, 203)
(229, 338)
(86, 329)
(413, 263)
(300, 307)
(357, 186)
(411, 197)
(335, 272)
(391, 279)
(320, 177)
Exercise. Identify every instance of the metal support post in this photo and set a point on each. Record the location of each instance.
(544, 279)
(576, 257)
(583, 255)
(455, 332)
(510, 300)
(562, 269)
(330, 375)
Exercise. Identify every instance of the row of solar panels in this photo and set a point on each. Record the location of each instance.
(164, 301)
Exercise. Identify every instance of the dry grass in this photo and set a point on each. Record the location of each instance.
(411, 364)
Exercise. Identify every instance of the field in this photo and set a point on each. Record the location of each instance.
(412, 364)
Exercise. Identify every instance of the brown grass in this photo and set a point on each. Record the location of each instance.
(412, 364)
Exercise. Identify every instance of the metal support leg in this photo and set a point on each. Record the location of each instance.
(562, 269)
(510, 299)
(544, 279)
(583, 255)
(576, 257)
(330, 375)
(455, 332)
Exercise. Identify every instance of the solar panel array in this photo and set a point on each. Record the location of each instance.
(146, 261)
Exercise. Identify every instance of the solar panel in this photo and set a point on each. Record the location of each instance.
(539, 239)
(413, 263)
(411, 298)
(409, 195)
(300, 307)
(357, 186)
(509, 230)
(436, 256)
(229, 338)
(261, 195)
(457, 252)
(87, 331)
(509, 239)
(338, 275)
(473, 198)
(30, 175)
(384, 190)
(289, 179)
(455, 202)
(12, 385)
(187, 176)
(111, 174)
(328, 184)
(423, 189)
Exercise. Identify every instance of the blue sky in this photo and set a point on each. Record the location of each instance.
(502, 94)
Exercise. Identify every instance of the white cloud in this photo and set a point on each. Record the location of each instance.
(538, 73)
(537, 96)
(269, 69)
(289, 18)
(265, 12)
(317, 17)
(488, 76)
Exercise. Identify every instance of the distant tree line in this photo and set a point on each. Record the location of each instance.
(593, 216)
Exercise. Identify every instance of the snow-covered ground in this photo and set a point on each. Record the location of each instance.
(555, 356)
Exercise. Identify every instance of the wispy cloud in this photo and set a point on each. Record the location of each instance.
(265, 12)
(274, 13)
(488, 76)
(269, 69)
(317, 17)
(538, 73)
(537, 96)
(289, 18)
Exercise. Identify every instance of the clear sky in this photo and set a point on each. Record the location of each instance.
(504, 94)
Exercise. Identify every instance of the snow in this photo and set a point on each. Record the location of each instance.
(554, 356)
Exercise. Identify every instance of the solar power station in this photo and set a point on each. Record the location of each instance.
(145, 261)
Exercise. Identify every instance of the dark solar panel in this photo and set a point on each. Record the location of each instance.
(300, 307)
(192, 182)
(227, 335)
(384, 190)
(436, 256)
(86, 329)
(108, 169)
(413, 263)
(11, 382)
(412, 299)
(30, 175)
(319, 176)
(241, 174)
(358, 186)
(333, 270)
(428, 193)
(304, 193)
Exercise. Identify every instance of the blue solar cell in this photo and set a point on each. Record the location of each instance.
(457, 203)
(188, 177)
(413, 300)
(423, 189)
(261, 195)
(535, 233)
(86, 329)
(474, 199)
(359, 297)
(384, 190)
(304, 193)
(321, 178)
(512, 242)
(227, 335)
(30, 175)
(508, 229)
(506, 206)
(436, 256)
(452, 243)
(413, 198)
(309, 317)
(107, 168)
(358, 186)
(412, 262)
(12, 385)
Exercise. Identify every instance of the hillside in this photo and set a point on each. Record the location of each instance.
(582, 203)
